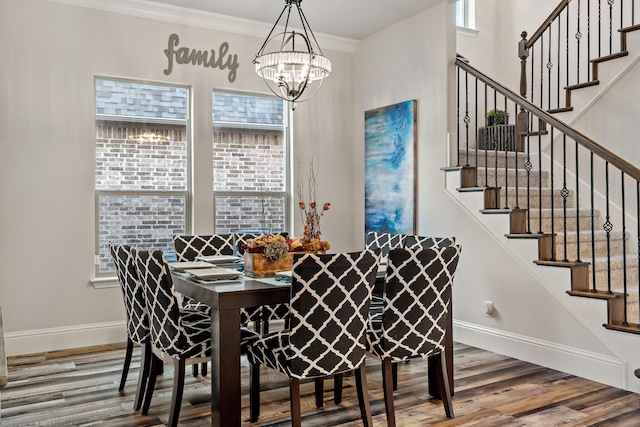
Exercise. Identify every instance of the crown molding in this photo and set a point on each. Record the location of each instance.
(197, 18)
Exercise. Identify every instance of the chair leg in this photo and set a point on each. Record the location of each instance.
(319, 383)
(294, 396)
(176, 396)
(194, 368)
(254, 392)
(443, 385)
(394, 373)
(203, 367)
(363, 396)
(151, 383)
(143, 376)
(387, 382)
(127, 362)
(337, 388)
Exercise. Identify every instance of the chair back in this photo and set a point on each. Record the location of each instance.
(330, 298)
(240, 239)
(384, 241)
(167, 333)
(417, 300)
(188, 248)
(417, 242)
(132, 292)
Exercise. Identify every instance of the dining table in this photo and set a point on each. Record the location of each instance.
(226, 298)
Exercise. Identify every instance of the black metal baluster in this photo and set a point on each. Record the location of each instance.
(578, 37)
(467, 119)
(621, 13)
(542, 72)
(578, 202)
(540, 177)
(515, 151)
(610, 25)
(553, 217)
(608, 227)
(528, 167)
(558, 65)
(638, 231)
(477, 131)
(633, 12)
(549, 66)
(458, 115)
(506, 151)
(567, 46)
(625, 321)
(564, 193)
(532, 70)
(486, 142)
(599, 28)
(495, 138)
(593, 231)
(588, 40)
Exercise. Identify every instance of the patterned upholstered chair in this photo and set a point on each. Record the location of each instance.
(136, 317)
(384, 242)
(416, 242)
(175, 335)
(330, 297)
(413, 323)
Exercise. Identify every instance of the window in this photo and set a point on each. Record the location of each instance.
(142, 166)
(466, 13)
(250, 163)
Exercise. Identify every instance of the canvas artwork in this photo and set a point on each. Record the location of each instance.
(390, 136)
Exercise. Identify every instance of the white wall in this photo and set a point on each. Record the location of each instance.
(47, 215)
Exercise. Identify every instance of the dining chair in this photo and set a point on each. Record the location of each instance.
(384, 242)
(136, 317)
(414, 319)
(183, 338)
(330, 297)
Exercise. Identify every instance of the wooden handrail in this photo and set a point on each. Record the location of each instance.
(556, 12)
(581, 139)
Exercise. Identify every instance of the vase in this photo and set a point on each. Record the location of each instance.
(258, 265)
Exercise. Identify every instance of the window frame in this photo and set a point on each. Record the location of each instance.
(123, 120)
(469, 14)
(288, 163)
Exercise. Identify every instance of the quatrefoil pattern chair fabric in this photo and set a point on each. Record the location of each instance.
(172, 333)
(417, 298)
(384, 242)
(330, 297)
(417, 242)
(241, 239)
(188, 248)
(133, 293)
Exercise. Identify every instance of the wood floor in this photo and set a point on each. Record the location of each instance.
(81, 389)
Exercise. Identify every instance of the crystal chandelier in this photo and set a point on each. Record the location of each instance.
(290, 61)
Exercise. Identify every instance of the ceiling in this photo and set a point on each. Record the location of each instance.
(353, 19)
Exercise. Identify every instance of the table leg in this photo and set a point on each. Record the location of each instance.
(225, 368)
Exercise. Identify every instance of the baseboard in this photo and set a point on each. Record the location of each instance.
(596, 367)
(42, 340)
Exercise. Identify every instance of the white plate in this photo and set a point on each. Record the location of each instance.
(184, 265)
(219, 259)
(214, 273)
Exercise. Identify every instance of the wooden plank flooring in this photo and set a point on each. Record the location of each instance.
(80, 388)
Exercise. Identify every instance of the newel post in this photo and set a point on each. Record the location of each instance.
(523, 53)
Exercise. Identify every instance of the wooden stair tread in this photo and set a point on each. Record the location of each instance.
(596, 294)
(629, 29)
(495, 211)
(610, 57)
(559, 263)
(581, 85)
(534, 236)
(534, 133)
(633, 329)
(560, 110)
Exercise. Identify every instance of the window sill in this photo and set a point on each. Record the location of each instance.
(469, 32)
(105, 282)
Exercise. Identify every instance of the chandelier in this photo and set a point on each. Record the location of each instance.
(290, 61)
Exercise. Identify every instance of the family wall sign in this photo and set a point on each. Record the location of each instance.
(221, 59)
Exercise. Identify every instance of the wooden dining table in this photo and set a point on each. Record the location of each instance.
(225, 299)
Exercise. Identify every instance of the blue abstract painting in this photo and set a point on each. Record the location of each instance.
(389, 140)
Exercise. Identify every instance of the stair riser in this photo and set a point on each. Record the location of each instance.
(534, 201)
(617, 279)
(572, 224)
(490, 160)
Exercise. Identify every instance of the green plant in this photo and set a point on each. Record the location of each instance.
(497, 117)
